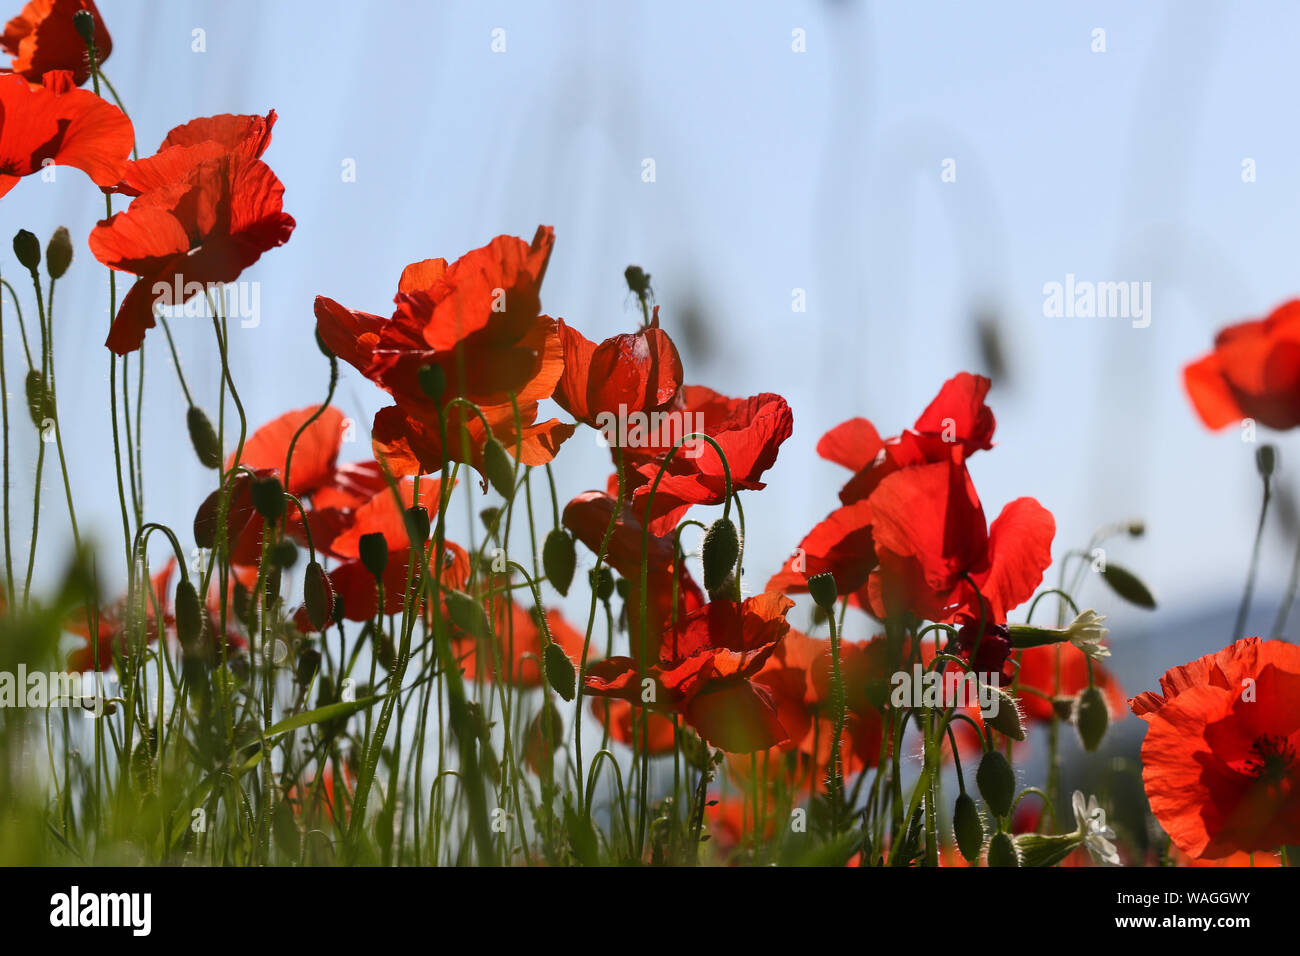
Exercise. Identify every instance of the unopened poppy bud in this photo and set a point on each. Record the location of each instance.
(1137, 528)
(497, 467)
(559, 671)
(1265, 460)
(602, 582)
(318, 595)
(433, 381)
(1063, 707)
(36, 397)
(997, 782)
(284, 553)
(268, 497)
(721, 549)
(490, 517)
(559, 559)
(189, 614)
(1007, 719)
(466, 613)
(622, 588)
(204, 437)
(374, 553)
(417, 524)
(27, 248)
(308, 664)
(968, 827)
(823, 591)
(1002, 850)
(638, 280)
(84, 22)
(1091, 718)
(336, 616)
(58, 253)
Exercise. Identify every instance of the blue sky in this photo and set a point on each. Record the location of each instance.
(776, 170)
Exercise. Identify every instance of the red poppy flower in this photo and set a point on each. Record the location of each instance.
(189, 144)
(931, 536)
(60, 125)
(705, 672)
(43, 37)
(1253, 372)
(1037, 680)
(356, 587)
(314, 455)
(625, 374)
(517, 640)
(205, 229)
(477, 320)
(841, 545)
(113, 625)
(624, 722)
(750, 431)
(1221, 758)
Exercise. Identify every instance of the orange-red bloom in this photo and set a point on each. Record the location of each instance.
(1221, 758)
(113, 625)
(517, 641)
(1253, 372)
(189, 144)
(60, 125)
(43, 37)
(477, 321)
(1061, 670)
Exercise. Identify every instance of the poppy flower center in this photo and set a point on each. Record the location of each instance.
(1271, 758)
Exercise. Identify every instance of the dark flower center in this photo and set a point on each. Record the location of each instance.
(1271, 757)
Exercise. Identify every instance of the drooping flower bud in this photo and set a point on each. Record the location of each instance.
(997, 782)
(268, 497)
(417, 524)
(189, 614)
(37, 397)
(204, 437)
(602, 583)
(721, 549)
(496, 465)
(284, 553)
(58, 253)
(27, 249)
(433, 381)
(559, 560)
(1091, 718)
(1265, 460)
(968, 827)
(1006, 720)
(374, 553)
(560, 672)
(1002, 850)
(318, 595)
(466, 613)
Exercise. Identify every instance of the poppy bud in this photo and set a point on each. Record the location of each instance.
(638, 280)
(497, 467)
(84, 22)
(58, 253)
(337, 616)
(433, 381)
(203, 437)
(284, 553)
(189, 615)
(1137, 528)
(1002, 850)
(466, 613)
(417, 524)
(36, 397)
(721, 548)
(560, 673)
(1007, 719)
(308, 664)
(318, 595)
(1265, 460)
(823, 591)
(1091, 718)
(490, 517)
(27, 249)
(559, 560)
(602, 583)
(968, 827)
(1128, 586)
(268, 497)
(997, 782)
(1062, 707)
(374, 553)
(622, 588)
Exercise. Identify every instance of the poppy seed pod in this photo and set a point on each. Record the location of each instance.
(823, 590)
(284, 553)
(433, 381)
(559, 560)
(417, 524)
(203, 437)
(1091, 718)
(497, 467)
(1002, 850)
(602, 582)
(27, 249)
(58, 253)
(84, 22)
(560, 673)
(318, 595)
(968, 827)
(268, 497)
(721, 549)
(997, 782)
(374, 553)
(189, 615)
